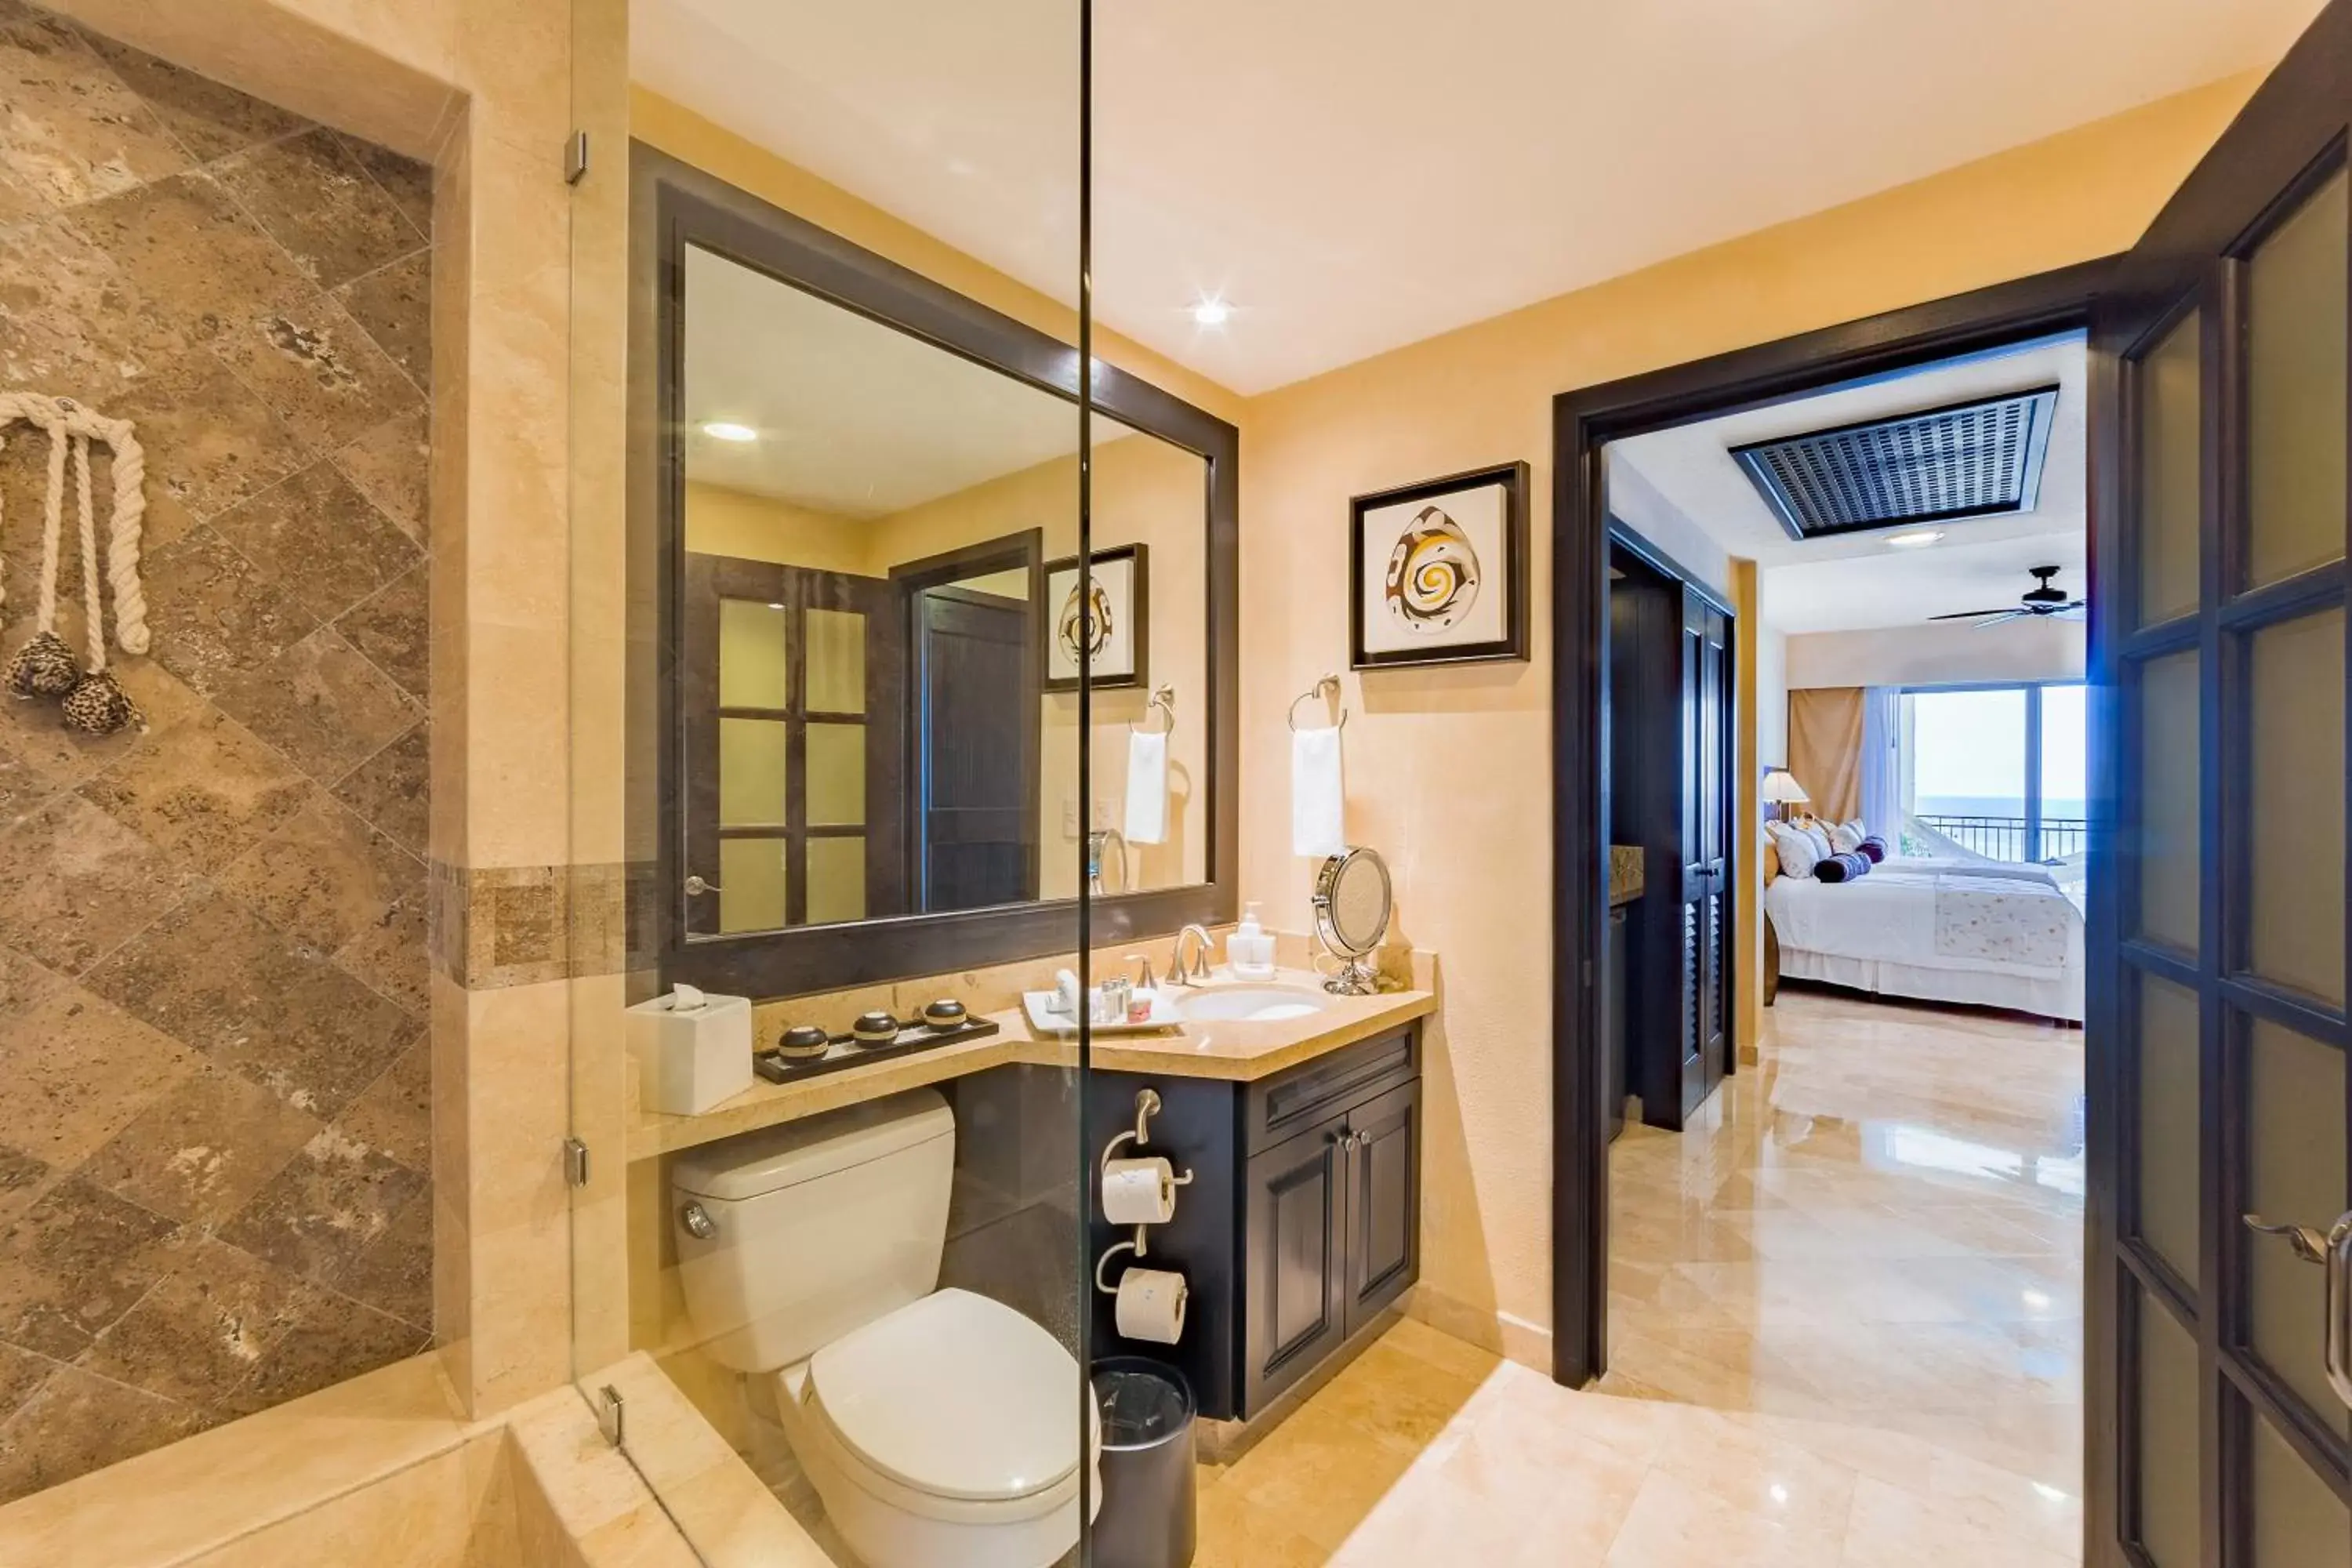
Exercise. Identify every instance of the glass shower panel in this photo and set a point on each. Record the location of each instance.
(840, 744)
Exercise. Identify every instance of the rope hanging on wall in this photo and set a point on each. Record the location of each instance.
(45, 667)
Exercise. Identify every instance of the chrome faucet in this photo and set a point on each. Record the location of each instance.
(1176, 973)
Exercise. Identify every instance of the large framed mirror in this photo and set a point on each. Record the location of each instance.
(860, 526)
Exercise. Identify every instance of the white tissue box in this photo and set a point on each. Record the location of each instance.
(689, 1059)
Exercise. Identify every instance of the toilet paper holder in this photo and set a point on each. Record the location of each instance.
(1147, 1106)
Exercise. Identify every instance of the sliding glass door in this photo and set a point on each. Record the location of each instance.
(1996, 770)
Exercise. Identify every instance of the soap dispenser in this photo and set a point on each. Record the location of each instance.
(1250, 950)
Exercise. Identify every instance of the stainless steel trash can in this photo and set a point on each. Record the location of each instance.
(1148, 1493)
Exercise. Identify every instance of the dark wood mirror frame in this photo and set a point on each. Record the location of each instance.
(672, 204)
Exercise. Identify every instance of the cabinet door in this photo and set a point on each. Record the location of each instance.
(1383, 1210)
(1294, 1270)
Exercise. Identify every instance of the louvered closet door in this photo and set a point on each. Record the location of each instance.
(2219, 1412)
(1704, 836)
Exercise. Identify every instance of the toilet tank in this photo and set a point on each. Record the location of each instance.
(814, 1228)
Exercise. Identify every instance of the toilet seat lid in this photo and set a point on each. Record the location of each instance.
(955, 1396)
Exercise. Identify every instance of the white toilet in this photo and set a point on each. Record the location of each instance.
(939, 1426)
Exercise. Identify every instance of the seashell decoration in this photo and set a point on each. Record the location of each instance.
(1432, 575)
(93, 701)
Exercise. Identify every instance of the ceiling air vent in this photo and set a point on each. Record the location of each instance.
(1970, 459)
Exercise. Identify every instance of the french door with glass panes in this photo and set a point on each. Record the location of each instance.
(2217, 1398)
(794, 691)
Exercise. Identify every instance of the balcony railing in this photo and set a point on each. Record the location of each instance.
(2013, 837)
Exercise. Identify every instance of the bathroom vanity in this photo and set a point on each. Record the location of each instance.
(1303, 1220)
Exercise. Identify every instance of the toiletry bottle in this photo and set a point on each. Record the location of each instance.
(1250, 950)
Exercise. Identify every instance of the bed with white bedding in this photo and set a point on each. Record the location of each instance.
(1990, 933)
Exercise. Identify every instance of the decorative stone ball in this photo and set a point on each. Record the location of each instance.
(97, 706)
(44, 667)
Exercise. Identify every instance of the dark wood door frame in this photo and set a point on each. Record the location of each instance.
(1582, 423)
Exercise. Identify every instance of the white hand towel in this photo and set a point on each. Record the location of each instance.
(1317, 795)
(1146, 786)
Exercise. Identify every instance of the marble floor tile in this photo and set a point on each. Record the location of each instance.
(1846, 1332)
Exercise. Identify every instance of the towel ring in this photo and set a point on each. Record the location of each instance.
(1162, 701)
(1328, 683)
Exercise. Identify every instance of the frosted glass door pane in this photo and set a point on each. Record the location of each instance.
(752, 765)
(2295, 1172)
(754, 669)
(2168, 1146)
(836, 661)
(2169, 761)
(2295, 391)
(837, 775)
(2169, 469)
(2169, 1479)
(2298, 1524)
(836, 879)
(2294, 833)
(751, 882)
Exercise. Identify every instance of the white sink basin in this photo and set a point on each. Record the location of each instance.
(1249, 1002)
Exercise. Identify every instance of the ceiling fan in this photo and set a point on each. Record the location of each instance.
(2042, 600)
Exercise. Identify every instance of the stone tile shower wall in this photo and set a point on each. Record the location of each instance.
(214, 1123)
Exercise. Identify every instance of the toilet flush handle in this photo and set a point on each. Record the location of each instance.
(698, 1222)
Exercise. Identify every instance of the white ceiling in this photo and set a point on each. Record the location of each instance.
(854, 418)
(1356, 175)
(1857, 581)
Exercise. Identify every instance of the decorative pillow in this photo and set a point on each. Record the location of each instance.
(1820, 835)
(1846, 838)
(1842, 867)
(1874, 847)
(1798, 855)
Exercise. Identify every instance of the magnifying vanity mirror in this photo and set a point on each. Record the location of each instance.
(1351, 917)
(867, 529)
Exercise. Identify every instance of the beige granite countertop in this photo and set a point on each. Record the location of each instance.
(1626, 873)
(1234, 1051)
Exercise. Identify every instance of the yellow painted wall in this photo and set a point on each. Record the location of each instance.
(1449, 768)
(723, 522)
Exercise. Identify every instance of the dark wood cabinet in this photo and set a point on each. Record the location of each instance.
(1295, 1257)
(1383, 1187)
(1302, 1224)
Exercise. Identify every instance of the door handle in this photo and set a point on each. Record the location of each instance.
(2333, 1252)
(695, 887)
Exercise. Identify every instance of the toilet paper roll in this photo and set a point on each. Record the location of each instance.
(1152, 1305)
(1138, 1191)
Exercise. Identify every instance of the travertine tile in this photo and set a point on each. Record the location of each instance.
(391, 465)
(393, 305)
(78, 1422)
(184, 240)
(73, 131)
(200, 1151)
(221, 616)
(391, 788)
(81, 884)
(75, 1071)
(309, 195)
(322, 704)
(213, 975)
(73, 1263)
(202, 1327)
(203, 791)
(327, 877)
(337, 1196)
(207, 119)
(317, 536)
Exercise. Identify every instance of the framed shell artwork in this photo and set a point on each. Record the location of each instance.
(1099, 620)
(1438, 571)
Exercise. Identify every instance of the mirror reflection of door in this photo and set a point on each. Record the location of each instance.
(972, 792)
(792, 684)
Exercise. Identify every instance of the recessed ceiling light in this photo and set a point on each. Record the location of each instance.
(775, 607)
(728, 430)
(1211, 310)
(1917, 539)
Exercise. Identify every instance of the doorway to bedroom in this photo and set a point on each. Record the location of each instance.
(1866, 1213)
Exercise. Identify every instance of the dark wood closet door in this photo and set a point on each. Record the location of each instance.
(2218, 1421)
(1705, 871)
(975, 711)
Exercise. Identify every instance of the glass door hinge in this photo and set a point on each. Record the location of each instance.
(612, 1416)
(575, 1161)
(576, 158)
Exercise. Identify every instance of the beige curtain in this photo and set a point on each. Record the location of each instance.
(1825, 748)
